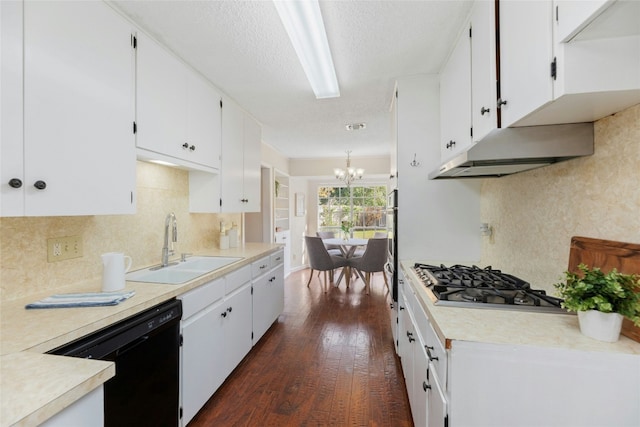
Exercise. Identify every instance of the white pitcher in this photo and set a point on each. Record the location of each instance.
(114, 270)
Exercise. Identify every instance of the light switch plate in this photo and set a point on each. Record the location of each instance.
(61, 248)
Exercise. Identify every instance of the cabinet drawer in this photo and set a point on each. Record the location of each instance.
(200, 297)
(237, 278)
(436, 352)
(260, 267)
(277, 259)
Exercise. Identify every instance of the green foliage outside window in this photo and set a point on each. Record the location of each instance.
(369, 205)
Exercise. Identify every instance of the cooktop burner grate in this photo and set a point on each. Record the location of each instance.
(472, 286)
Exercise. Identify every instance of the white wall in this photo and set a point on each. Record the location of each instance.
(437, 220)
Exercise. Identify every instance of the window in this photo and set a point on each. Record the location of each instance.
(363, 206)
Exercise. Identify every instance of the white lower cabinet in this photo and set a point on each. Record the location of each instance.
(505, 385)
(221, 320)
(86, 412)
(216, 335)
(268, 293)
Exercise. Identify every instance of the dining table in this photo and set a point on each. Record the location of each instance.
(348, 249)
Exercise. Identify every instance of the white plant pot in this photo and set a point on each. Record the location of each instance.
(600, 326)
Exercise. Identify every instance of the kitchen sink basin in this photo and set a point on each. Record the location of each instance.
(181, 272)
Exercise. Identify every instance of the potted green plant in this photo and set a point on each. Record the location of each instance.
(601, 300)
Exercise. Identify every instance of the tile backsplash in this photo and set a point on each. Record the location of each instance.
(24, 270)
(534, 214)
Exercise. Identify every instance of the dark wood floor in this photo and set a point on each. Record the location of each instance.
(328, 361)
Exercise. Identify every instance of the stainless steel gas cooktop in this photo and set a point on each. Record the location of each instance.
(475, 287)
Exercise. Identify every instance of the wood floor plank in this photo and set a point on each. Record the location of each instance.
(329, 360)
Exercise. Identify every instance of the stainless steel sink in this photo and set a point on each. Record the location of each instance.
(181, 272)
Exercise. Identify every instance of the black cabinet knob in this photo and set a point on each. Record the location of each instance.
(501, 102)
(185, 146)
(484, 110)
(15, 183)
(223, 314)
(229, 309)
(40, 185)
(425, 386)
(192, 148)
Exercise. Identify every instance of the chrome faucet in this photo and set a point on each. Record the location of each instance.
(171, 219)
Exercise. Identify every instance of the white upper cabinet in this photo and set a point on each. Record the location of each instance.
(240, 174)
(455, 99)
(178, 112)
(568, 62)
(76, 152)
(483, 69)
(525, 57)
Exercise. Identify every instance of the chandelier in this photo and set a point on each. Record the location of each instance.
(350, 174)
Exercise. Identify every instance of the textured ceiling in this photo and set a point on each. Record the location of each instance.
(242, 47)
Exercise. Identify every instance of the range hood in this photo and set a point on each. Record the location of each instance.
(512, 150)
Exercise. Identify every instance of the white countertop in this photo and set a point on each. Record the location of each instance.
(35, 386)
(509, 326)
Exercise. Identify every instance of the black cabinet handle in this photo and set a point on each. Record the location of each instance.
(244, 200)
(401, 308)
(192, 148)
(484, 110)
(451, 144)
(501, 102)
(410, 336)
(425, 386)
(40, 185)
(431, 358)
(229, 309)
(15, 183)
(223, 314)
(185, 146)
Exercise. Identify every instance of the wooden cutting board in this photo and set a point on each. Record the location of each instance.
(607, 254)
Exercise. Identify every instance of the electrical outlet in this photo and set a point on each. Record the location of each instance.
(61, 248)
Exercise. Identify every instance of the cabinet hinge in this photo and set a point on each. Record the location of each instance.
(135, 128)
(134, 41)
(470, 32)
(396, 93)
(132, 197)
(446, 420)
(252, 290)
(181, 340)
(220, 202)
(554, 68)
(181, 412)
(556, 13)
(251, 334)
(471, 131)
(221, 103)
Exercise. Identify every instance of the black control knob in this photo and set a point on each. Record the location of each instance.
(15, 183)
(40, 185)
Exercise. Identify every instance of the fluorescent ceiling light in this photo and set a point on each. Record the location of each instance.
(304, 25)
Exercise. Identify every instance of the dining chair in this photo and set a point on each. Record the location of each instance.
(372, 261)
(333, 249)
(321, 260)
(376, 235)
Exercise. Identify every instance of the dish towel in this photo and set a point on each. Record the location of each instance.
(88, 299)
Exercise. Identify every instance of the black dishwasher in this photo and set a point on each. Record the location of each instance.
(145, 349)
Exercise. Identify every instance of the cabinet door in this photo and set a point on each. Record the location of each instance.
(455, 99)
(437, 404)
(11, 128)
(420, 385)
(238, 325)
(526, 53)
(232, 171)
(161, 99)
(78, 110)
(570, 16)
(262, 302)
(202, 358)
(251, 164)
(483, 69)
(203, 122)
